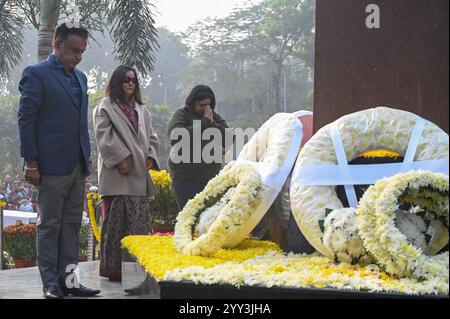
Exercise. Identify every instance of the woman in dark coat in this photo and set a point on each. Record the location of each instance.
(191, 175)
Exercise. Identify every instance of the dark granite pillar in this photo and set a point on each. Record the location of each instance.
(402, 64)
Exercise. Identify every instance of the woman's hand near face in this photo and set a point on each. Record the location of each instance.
(209, 114)
(123, 167)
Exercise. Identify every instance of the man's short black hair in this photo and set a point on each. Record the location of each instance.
(63, 32)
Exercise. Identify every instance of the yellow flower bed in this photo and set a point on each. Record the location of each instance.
(260, 263)
(307, 271)
(158, 254)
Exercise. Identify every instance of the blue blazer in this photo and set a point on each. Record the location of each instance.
(53, 128)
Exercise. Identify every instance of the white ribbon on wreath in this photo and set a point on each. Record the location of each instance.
(365, 174)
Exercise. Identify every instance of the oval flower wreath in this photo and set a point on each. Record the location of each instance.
(236, 212)
(372, 129)
(378, 228)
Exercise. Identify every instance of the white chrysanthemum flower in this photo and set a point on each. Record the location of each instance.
(209, 216)
(341, 235)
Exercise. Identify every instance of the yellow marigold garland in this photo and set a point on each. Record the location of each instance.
(91, 197)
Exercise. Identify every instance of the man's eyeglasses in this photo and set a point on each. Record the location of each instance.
(130, 80)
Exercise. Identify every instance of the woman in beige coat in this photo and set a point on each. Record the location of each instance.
(127, 146)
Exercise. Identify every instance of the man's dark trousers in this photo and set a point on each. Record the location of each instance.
(60, 202)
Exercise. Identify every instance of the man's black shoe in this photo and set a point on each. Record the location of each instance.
(82, 291)
(53, 293)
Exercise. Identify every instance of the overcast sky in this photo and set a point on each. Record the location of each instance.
(177, 15)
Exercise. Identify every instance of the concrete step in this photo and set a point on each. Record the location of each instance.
(25, 283)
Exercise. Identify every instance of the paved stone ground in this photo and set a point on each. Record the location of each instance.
(25, 283)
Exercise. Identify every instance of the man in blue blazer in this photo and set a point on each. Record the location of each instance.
(54, 139)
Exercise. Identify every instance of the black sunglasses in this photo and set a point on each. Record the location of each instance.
(128, 80)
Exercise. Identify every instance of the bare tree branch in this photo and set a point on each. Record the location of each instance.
(30, 10)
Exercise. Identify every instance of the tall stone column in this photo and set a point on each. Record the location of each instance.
(381, 53)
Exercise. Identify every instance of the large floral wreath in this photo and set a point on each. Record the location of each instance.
(378, 128)
(378, 221)
(233, 215)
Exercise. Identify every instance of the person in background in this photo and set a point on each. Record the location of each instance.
(127, 147)
(9, 182)
(190, 178)
(27, 190)
(15, 197)
(4, 189)
(25, 206)
(3, 198)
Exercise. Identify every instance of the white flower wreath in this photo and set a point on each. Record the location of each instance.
(234, 214)
(372, 129)
(377, 222)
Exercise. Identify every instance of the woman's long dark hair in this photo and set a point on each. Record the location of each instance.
(114, 88)
(198, 93)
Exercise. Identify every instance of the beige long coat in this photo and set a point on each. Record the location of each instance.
(117, 140)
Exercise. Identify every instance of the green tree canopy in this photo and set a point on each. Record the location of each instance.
(129, 23)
